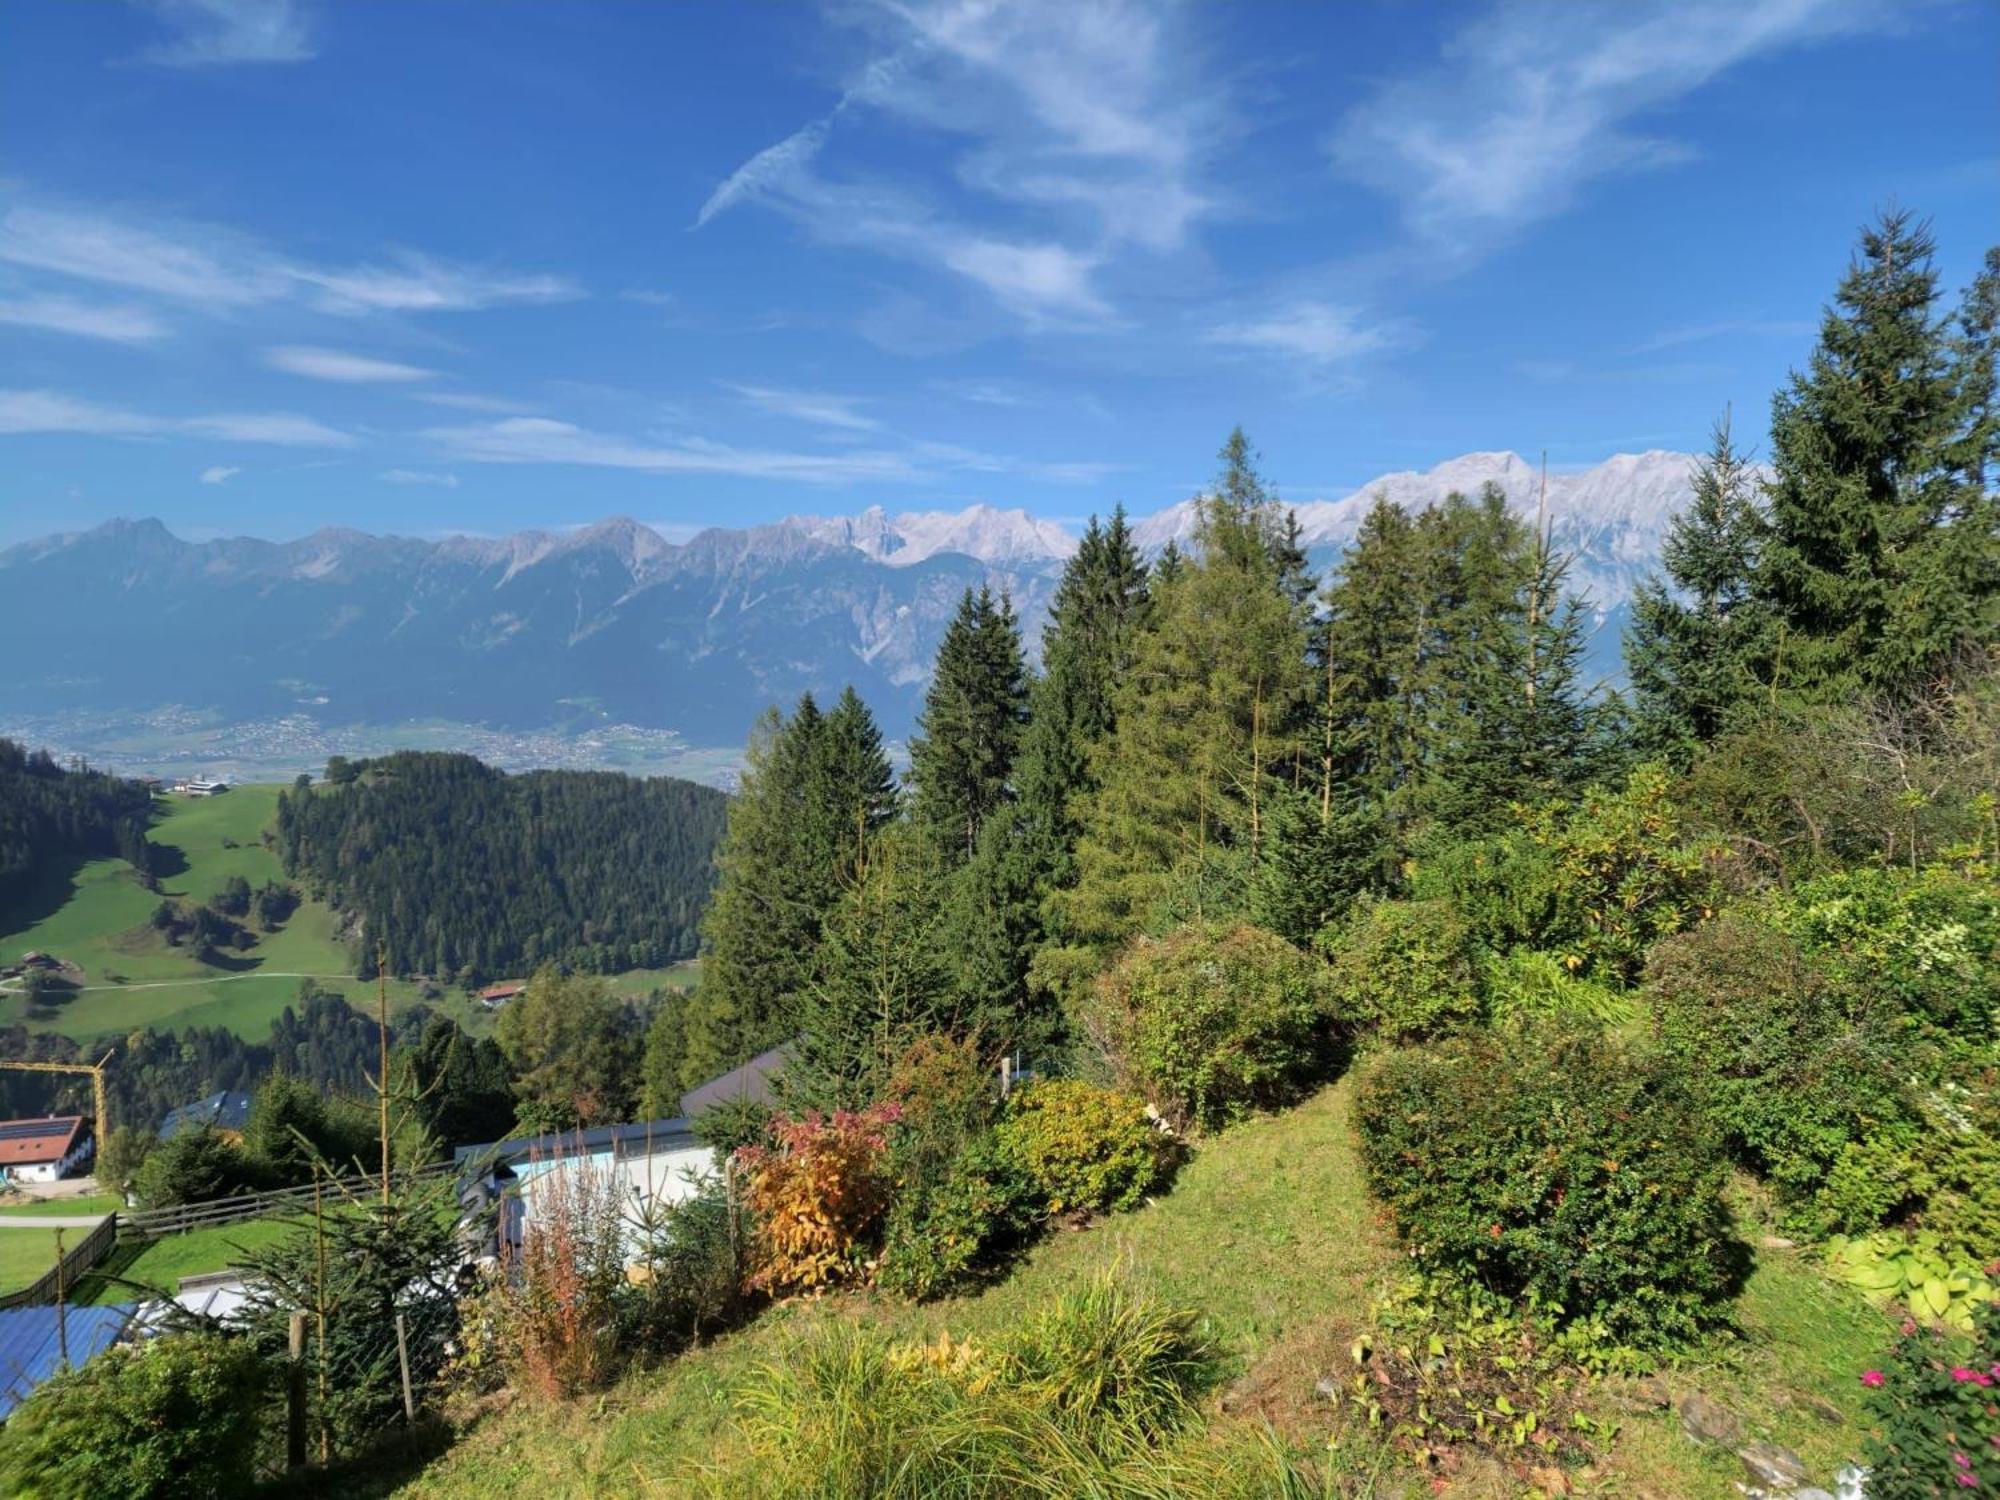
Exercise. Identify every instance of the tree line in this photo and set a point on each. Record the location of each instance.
(1219, 735)
(465, 873)
(49, 812)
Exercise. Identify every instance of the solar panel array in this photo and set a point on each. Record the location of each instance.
(15, 1130)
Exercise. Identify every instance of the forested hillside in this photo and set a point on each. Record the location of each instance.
(48, 812)
(465, 873)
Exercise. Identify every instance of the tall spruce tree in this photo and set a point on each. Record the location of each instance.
(1694, 636)
(816, 791)
(1878, 559)
(962, 758)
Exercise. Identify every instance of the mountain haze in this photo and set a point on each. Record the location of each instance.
(612, 623)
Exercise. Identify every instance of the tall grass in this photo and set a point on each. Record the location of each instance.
(1094, 1397)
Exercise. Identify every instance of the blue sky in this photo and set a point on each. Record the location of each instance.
(267, 265)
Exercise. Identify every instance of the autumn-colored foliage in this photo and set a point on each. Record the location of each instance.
(817, 1195)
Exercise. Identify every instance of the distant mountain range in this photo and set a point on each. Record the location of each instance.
(613, 624)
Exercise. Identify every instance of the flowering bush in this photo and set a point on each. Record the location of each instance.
(555, 1303)
(817, 1195)
(1936, 1406)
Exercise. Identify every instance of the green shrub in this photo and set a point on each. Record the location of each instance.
(1787, 1070)
(688, 1271)
(1528, 983)
(1553, 1165)
(1912, 1272)
(193, 1167)
(1211, 1023)
(1598, 881)
(1404, 969)
(946, 1098)
(1934, 1406)
(943, 1234)
(1085, 1148)
(172, 1419)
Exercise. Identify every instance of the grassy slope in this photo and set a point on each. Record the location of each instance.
(1269, 1233)
(163, 1262)
(96, 916)
(42, 1208)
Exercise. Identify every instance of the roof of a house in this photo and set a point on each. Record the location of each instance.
(751, 1081)
(224, 1109)
(28, 1143)
(500, 991)
(31, 1350)
(664, 1135)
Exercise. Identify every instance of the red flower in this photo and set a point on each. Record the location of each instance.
(1871, 1377)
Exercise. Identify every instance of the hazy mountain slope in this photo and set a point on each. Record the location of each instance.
(612, 621)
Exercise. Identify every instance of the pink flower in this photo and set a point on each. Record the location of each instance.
(1967, 1480)
(1871, 1377)
(1962, 1375)
(1961, 1460)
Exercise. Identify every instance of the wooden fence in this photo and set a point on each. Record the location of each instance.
(153, 1223)
(87, 1252)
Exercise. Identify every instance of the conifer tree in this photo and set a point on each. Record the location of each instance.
(962, 758)
(1205, 720)
(1693, 637)
(850, 791)
(1878, 559)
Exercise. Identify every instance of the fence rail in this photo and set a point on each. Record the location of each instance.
(87, 1252)
(154, 1223)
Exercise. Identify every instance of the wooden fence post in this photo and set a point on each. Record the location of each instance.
(62, 1312)
(403, 1359)
(295, 1394)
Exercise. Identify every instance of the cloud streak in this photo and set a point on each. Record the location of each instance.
(1530, 104)
(119, 324)
(338, 365)
(1319, 333)
(542, 440)
(817, 407)
(41, 411)
(212, 33)
(1081, 117)
(220, 270)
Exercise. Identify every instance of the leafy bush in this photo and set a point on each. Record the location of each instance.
(1598, 881)
(943, 1234)
(946, 1097)
(1085, 1148)
(1404, 969)
(1553, 1165)
(1211, 1023)
(1935, 1408)
(1530, 983)
(1913, 1272)
(817, 1196)
(1790, 1075)
(170, 1419)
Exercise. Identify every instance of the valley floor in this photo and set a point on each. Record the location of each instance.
(1269, 1233)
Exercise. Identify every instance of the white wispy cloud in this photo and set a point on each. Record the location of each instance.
(214, 32)
(1320, 333)
(821, 408)
(218, 473)
(220, 269)
(419, 476)
(91, 320)
(40, 411)
(1675, 338)
(502, 406)
(339, 365)
(1533, 101)
(544, 440)
(1087, 119)
(421, 283)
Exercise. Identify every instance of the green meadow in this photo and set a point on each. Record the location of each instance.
(95, 914)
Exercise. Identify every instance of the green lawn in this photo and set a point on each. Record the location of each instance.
(1269, 1234)
(163, 1262)
(28, 1254)
(42, 1208)
(96, 915)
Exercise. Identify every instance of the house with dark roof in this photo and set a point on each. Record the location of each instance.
(225, 1111)
(44, 1150)
(750, 1083)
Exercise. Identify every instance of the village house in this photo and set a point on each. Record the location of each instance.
(44, 1150)
(496, 995)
